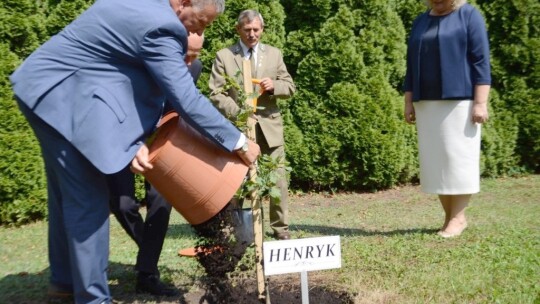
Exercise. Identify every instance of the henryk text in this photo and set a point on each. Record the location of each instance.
(302, 253)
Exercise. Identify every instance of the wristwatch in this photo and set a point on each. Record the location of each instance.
(245, 147)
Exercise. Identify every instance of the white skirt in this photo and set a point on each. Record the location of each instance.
(448, 146)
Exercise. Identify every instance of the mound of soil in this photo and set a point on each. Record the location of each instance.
(219, 250)
(280, 290)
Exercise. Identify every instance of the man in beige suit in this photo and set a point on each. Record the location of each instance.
(276, 82)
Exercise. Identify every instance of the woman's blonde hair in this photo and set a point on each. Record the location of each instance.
(455, 3)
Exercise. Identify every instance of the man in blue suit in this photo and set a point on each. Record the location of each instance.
(92, 94)
(149, 233)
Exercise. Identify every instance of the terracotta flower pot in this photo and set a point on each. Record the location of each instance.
(193, 174)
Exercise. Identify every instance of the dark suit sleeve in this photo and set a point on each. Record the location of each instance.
(162, 53)
(195, 69)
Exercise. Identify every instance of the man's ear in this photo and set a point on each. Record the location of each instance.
(185, 3)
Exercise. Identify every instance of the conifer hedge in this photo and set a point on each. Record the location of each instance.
(344, 127)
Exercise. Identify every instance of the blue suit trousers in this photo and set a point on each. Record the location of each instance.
(78, 202)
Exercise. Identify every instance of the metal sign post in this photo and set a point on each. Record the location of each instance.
(304, 286)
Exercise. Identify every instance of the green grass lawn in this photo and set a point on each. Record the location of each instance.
(390, 252)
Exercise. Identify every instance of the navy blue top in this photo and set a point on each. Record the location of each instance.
(463, 52)
(430, 62)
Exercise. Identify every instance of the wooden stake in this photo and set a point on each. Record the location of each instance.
(255, 199)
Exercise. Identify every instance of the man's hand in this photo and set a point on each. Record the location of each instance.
(250, 156)
(140, 163)
(267, 85)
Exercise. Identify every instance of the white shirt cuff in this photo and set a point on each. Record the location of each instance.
(241, 141)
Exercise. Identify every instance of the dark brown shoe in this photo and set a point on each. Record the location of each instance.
(282, 235)
(152, 284)
(59, 295)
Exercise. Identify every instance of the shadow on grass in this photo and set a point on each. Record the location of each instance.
(185, 230)
(328, 230)
(31, 288)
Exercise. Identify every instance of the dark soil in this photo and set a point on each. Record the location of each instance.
(220, 249)
(280, 290)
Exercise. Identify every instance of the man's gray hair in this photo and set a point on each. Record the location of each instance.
(248, 16)
(201, 4)
(455, 3)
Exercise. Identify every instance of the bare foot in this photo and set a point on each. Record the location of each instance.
(454, 228)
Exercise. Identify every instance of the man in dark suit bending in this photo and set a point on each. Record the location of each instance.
(149, 233)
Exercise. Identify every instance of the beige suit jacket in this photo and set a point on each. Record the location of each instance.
(270, 64)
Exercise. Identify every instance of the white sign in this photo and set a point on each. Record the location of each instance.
(300, 255)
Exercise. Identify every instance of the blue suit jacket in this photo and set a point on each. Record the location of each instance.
(102, 81)
(464, 48)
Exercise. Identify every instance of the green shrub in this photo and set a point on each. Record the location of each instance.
(344, 127)
(529, 128)
(23, 190)
(515, 46)
(62, 13)
(347, 113)
(351, 141)
(499, 140)
(23, 187)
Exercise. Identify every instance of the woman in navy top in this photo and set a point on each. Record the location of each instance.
(446, 92)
